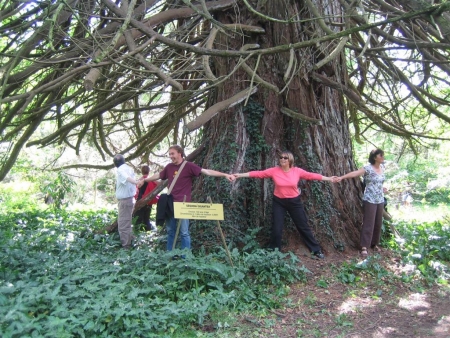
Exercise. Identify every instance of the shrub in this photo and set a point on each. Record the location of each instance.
(426, 246)
(59, 278)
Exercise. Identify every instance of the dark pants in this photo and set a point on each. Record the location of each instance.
(143, 217)
(372, 221)
(295, 208)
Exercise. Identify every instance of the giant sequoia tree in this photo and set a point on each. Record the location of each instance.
(257, 76)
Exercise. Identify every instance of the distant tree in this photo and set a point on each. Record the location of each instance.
(258, 76)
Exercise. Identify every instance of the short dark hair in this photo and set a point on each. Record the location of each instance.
(118, 160)
(145, 169)
(374, 153)
(178, 149)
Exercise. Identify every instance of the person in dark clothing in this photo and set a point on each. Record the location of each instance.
(142, 190)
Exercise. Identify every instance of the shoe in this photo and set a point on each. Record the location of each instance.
(150, 227)
(153, 227)
(364, 251)
(376, 248)
(319, 254)
(132, 242)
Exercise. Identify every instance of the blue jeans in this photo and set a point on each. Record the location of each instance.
(171, 225)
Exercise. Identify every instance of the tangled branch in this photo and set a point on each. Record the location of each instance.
(121, 75)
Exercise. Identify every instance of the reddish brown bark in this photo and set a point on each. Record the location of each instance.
(334, 211)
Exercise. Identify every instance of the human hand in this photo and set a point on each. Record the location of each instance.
(230, 178)
(337, 179)
(334, 179)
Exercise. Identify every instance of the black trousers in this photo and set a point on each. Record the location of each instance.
(143, 217)
(295, 208)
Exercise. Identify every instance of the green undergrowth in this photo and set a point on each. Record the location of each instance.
(358, 272)
(425, 249)
(60, 278)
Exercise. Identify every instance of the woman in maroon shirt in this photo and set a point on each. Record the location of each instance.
(286, 197)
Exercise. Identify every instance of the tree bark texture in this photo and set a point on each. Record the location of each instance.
(250, 137)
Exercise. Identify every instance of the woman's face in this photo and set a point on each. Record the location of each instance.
(284, 160)
(379, 158)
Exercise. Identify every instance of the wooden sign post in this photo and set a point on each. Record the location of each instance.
(202, 211)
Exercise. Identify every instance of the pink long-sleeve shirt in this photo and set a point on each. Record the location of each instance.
(286, 183)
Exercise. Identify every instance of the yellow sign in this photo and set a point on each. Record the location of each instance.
(206, 211)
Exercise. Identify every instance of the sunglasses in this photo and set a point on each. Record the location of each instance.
(284, 158)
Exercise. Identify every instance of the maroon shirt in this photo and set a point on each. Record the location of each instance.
(183, 185)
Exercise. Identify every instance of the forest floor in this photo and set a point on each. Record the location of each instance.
(377, 305)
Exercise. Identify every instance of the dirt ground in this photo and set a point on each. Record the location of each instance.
(326, 307)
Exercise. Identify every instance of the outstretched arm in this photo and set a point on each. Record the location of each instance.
(152, 178)
(241, 175)
(330, 179)
(356, 173)
(216, 173)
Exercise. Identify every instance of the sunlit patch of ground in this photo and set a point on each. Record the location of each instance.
(386, 308)
(357, 304)
(418, 212)
(443, 328)
(415, 302)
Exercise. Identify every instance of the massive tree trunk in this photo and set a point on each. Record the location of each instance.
(250, 135)
(102, 71)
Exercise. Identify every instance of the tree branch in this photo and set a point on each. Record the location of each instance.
(218, 107)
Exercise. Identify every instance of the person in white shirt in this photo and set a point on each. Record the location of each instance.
(125, 190)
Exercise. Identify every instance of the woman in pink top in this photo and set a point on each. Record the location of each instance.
(286, 197)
